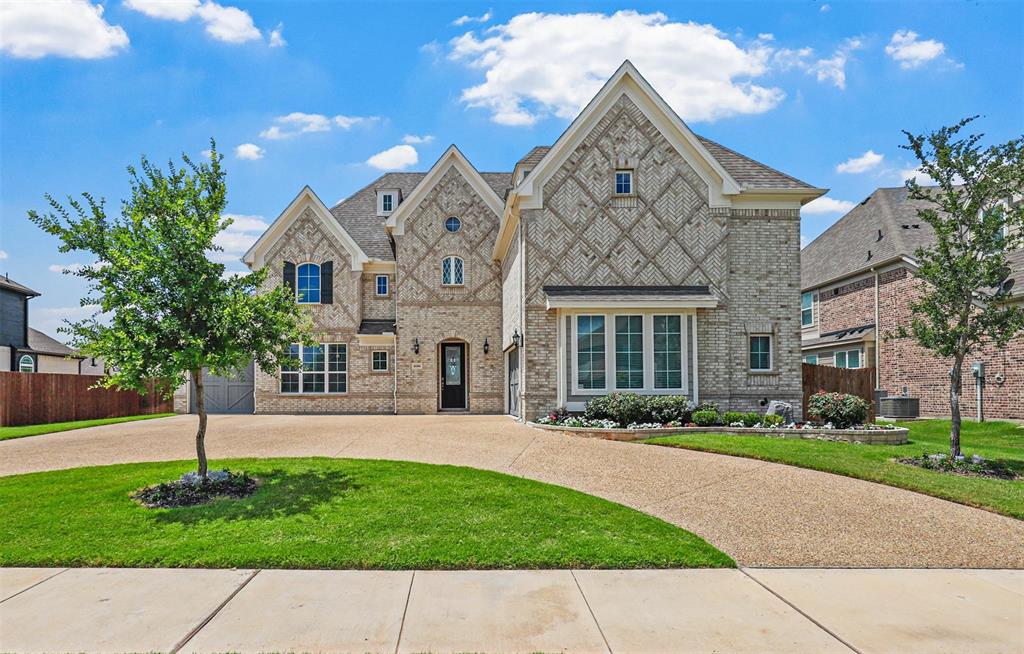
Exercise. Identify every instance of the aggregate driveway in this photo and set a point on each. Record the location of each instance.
(761, 514)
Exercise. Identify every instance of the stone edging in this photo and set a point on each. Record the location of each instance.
(866, 436)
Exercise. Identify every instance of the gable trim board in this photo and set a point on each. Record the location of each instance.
(306, 198)
(452, 158)
(724, 189)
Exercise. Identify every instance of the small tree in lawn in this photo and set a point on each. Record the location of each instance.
(975, 212)
(172, 311)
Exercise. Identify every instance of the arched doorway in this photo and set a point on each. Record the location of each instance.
(453, 378)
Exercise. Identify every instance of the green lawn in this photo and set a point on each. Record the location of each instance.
(35, 430)
(1000, 441)
(333, 513)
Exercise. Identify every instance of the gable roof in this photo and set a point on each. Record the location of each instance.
(305, 199)
(451, 158)
(886, 227)
(751, 174)
(11, 285)
(43, 344)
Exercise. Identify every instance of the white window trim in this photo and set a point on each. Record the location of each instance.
(771, 353)
(807, 356)
(31, 363)
(644, 332)
(327, 371)
(453, 283)
(814, 313)
(609, 354)
(320, 275)
(390, 195)
(387, 362)
(860, 358)
(387, 286)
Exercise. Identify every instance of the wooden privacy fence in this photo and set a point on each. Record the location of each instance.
(37, 397)
(855, 381)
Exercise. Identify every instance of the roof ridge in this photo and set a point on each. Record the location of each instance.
(759, 163)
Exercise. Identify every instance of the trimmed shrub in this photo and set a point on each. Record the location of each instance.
(664, 409)
(771, 420)
(751, 419)
(840, 409)
(730, 417)
(707, 406)
(705, 418)
(623, 408)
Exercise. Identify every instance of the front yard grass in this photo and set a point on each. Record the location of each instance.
(34, 430)
(333, 513)
(997, 441)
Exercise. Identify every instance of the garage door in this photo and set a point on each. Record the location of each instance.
(227, 394)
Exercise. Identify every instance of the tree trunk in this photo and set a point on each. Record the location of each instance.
(197, 375)
(955, 386)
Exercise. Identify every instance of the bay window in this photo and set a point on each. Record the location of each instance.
(590, 348)
(629, 352)
(668, 352)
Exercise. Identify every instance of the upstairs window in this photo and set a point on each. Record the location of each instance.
(387, 203)
(453, 224)
(760, 353)
(806, 309)
(26, 364)
(623, 182)
(452, 271)
(307, 289)
(382, 284)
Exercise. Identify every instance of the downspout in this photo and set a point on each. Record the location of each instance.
(522, 318)
(878, 337)
(394, 382)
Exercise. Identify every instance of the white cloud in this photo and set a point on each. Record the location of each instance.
(922, 178)
(228, 24)
(298, 122)
(275, 38)
(249, 151)
(861, 164)
(540, 64)
(825, 205)
(462, 20)
(905, 49)
(831, 69)
(412, 139)
(238, 237)
(3, 255)
(825, 8)
(179, 10)
(396, 158)
(49, 319)
(74, 29)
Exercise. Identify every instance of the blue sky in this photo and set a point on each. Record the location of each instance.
(329, 94)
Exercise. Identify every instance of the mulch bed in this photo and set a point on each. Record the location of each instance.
(191, 490)
(968, 467)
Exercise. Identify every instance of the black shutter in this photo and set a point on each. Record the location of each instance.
(289, 276)
(327, 282)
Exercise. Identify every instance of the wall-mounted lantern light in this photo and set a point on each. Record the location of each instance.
(487, 346)
(416, 345)
(517, 338)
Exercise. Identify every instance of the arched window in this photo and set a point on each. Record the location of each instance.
(26, 364)
(308, 284)
(453, 224)
(452, 271)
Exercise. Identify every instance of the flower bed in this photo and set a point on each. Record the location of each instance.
(974, 466)
(865, 434)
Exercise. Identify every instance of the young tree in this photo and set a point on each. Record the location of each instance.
(975, 210)
(168, 311)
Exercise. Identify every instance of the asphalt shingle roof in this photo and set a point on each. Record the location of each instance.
(40, 342)
(8, 283)
(748, 172)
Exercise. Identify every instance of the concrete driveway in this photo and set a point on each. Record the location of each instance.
(762, 514)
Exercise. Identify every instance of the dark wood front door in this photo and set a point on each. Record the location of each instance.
(453, 376)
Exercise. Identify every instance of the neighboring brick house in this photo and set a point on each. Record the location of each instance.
(858, 281)
(630, 255)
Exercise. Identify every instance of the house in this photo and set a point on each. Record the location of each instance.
(24, 349)
(632, 255)
(857, 282)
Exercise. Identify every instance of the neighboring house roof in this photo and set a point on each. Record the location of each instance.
(840, 337)
(10, 284)
(883, 227)
(42, 344)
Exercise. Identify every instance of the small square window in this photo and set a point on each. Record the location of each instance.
(760, 353)
(382, 284)
(379, 361)
(623, 182)
(387, 203)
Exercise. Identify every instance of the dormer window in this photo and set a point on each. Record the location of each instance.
(623, 182)
(388, 200)
(387, 203)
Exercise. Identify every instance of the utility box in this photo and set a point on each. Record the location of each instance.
(897, 406)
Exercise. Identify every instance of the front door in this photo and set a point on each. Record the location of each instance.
(453, 376)
(513, 382)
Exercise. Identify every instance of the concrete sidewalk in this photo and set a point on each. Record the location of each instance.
(747, 610)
